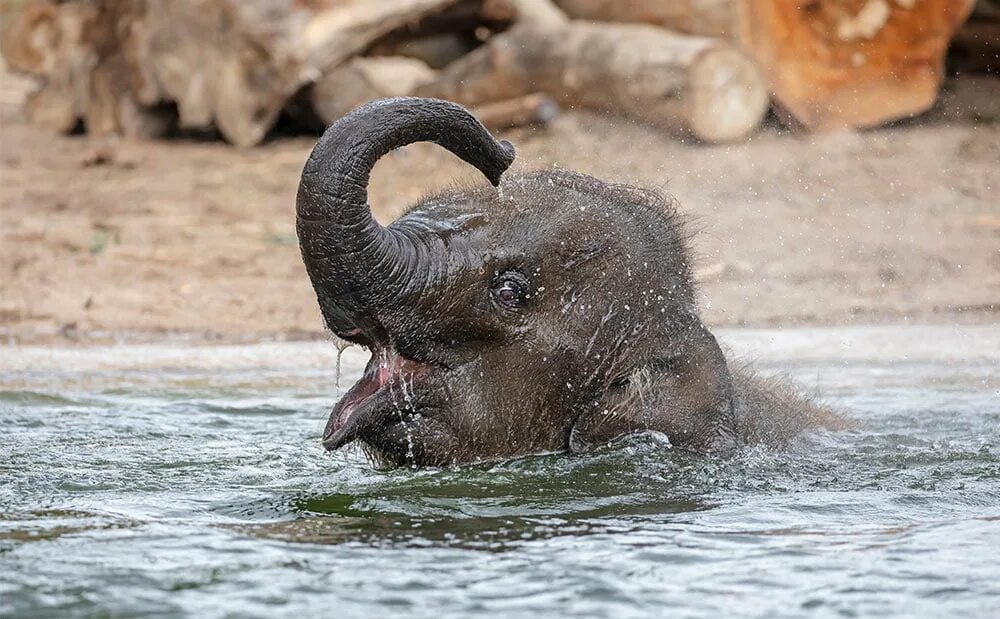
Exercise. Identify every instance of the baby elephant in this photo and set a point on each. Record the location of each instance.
(543, 312)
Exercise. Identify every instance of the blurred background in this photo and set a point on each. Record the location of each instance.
(839, 160)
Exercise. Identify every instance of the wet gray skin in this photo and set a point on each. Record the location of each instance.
(535, 313)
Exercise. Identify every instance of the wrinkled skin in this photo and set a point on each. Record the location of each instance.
(554, 312)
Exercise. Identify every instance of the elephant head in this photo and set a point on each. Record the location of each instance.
(540, 312)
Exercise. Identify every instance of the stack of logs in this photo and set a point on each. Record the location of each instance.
(707, 68)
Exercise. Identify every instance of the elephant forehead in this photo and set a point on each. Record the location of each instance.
(546, 218)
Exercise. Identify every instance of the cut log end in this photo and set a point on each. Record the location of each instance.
(728, 95)
(843, 63)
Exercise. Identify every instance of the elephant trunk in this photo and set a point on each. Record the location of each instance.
(353, 262)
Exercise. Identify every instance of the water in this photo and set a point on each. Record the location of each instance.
(173, 480)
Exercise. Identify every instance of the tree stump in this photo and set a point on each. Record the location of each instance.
(851, 63)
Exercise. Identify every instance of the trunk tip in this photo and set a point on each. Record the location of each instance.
(508, 153)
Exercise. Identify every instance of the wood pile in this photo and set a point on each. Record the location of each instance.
(706, 68)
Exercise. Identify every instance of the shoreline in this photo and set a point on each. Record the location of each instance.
(934, 343)
(10, 338)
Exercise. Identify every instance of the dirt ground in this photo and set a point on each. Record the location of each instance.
(131, 241)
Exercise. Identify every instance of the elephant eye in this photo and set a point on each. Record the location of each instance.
(510, 289)
(509, 292)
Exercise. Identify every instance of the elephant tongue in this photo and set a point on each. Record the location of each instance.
(344, 423)
(349, 418)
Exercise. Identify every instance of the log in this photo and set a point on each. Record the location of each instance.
(363, 79)
(534, 109)
(83, 53)
(110, 103)
(139, 67)
(712, 18)
(698, 85)
(851, 63)
(830, 63)
(229, 64)
(435, 50)
(540, 13)
(47, 41)
(236, 63)
(443, 37)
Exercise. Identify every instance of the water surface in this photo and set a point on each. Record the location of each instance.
(177, 480)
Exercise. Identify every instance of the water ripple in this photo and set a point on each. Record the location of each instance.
(203, 490)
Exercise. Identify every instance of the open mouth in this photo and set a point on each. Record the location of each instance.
(381, 397)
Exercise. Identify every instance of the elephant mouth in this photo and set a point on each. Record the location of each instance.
(386, 394)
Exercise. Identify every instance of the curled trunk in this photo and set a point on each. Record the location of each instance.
(356, 265)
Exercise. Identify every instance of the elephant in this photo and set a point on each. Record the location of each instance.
(540, 312)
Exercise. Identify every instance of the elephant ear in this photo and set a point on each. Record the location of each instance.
(687, 397)
(353, 262)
